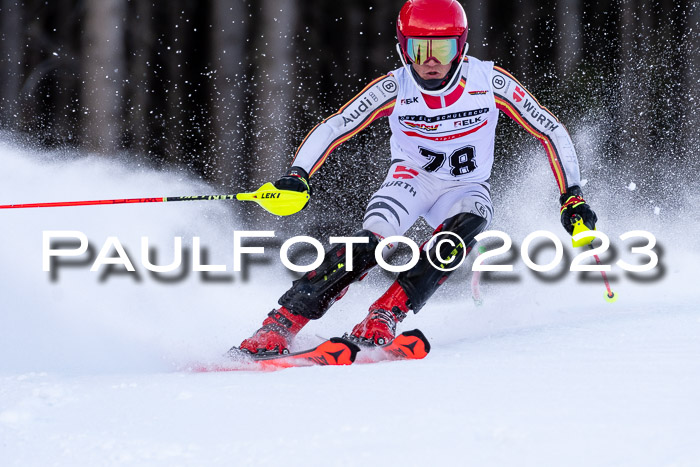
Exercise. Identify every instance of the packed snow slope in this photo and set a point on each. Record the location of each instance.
(545, 372)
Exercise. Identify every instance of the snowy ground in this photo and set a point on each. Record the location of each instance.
(544, 373)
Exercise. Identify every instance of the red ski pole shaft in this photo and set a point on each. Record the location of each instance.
(578, 228)
(119, 201)
(610, 295)
(605, 276)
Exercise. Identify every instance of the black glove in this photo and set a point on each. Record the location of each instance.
(296, 179)
(573, 206)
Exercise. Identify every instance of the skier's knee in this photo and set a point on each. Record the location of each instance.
(466, 225)
(377, 223)
(317, 290)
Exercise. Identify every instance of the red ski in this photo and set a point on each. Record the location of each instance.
(335, 351)
(409, 345)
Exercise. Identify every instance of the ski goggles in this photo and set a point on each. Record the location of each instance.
(420, 50)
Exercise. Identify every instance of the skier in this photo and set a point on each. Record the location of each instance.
(443, 109)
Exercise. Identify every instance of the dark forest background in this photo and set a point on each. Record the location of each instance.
(226, 89)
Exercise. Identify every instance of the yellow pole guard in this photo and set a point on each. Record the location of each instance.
(579, 227)
(275, 201)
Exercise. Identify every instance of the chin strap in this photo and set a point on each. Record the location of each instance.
(435, 92)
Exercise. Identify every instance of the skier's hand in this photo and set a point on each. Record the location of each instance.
(573, 206)
(296, 179)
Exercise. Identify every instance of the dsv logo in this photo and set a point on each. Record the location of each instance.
(389, 86)
(499, 82)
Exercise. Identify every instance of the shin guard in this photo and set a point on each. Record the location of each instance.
(421, 281)
(317, 290)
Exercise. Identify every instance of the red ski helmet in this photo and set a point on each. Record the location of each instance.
(432, 18)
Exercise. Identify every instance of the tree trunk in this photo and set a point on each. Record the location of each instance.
(382, 58)
(142, 40)
(230, 27)
(525, 22)
(691, 84)
(274, 85)
(477, 36)
(63, 22)
(103, 71)
(570, 37)
(173, 54)
(634, 86)
(11, 41)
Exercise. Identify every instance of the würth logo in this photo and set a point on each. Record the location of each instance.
(518, 94)
(405, 173)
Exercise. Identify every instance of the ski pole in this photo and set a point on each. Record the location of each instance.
(579, 227)
(273, 200)
(117, 201)
(609, 295)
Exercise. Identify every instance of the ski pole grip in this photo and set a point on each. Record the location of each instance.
(579, 227)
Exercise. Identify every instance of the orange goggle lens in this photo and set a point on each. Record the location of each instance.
(422, 50)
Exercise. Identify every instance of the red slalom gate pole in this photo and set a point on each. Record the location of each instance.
(476, 276)
(119, 201)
